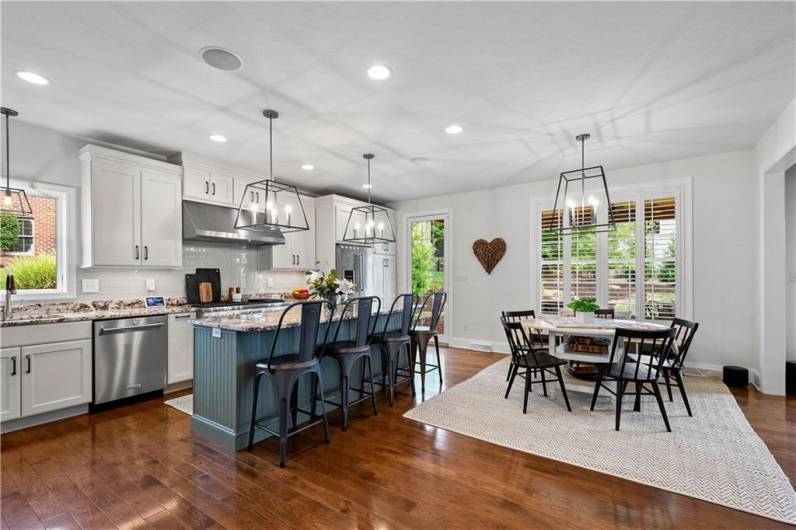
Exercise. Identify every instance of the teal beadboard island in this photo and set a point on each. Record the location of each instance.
(226, 348)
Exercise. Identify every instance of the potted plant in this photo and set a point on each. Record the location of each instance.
(584, 309)
(327, 285)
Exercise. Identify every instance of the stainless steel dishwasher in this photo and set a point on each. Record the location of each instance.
(130, 357)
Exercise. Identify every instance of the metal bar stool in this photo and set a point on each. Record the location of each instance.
(348, 352)
(422, 335)
(286, 370)
(393, 343)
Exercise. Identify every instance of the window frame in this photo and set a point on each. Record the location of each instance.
(66, 242)
(680, 188)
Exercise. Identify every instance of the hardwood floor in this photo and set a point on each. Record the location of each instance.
(140, 466)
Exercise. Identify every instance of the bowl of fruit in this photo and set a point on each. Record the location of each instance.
(301, 294)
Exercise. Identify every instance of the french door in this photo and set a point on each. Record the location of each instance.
(429, 263)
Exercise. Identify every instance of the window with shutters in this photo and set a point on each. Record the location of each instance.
(634, 270)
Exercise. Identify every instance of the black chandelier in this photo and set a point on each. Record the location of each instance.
(369, 224)
(15, 200)
(282, 210)
(582, 194)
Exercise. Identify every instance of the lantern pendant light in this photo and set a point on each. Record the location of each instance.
(13, 201)
(582, 195)
(369, 224)
(268, 205)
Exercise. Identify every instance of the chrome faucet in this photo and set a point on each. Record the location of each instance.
(10, 289)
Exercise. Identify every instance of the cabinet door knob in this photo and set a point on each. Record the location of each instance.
(14, 365)
(27, 357)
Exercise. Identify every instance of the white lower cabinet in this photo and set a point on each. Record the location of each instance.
(180, 348)
(55, 376)
(9, 384)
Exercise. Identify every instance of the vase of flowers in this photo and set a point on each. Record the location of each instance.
(584, 309)
(326, 284)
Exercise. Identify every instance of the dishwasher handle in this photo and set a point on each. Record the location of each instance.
(128, 329)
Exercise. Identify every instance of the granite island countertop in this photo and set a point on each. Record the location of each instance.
(257, 320)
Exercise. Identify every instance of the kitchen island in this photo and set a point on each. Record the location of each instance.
(226, 348)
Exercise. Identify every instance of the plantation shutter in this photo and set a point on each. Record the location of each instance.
(583, 261)
(660, 258)
(552, 262)
(622, 260)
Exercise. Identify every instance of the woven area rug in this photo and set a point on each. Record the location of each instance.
(715, 456)
(183, 403)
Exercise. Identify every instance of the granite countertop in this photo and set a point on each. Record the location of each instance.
(250, 321)
(80, 311)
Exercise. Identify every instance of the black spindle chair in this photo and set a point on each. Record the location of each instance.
(532, 356)
(674, 364)
(518, 316)
(422, 335)
(392, 343)
(286, 370)
(641, 371)
(348, 352)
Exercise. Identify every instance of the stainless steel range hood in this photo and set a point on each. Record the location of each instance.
(208, 222)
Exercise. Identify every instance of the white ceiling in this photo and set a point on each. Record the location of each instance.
(650, 81)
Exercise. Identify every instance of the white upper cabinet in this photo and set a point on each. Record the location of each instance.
(210, 182)
(131, 210)
(251, 198)
(161, 219)
(298, 252)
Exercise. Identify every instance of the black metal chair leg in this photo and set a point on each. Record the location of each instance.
(527, 391)
(657, 392)
(596, 389)
(390, 381)
(344, 401)
(411, 368)
(319, 379)
(679, 378)
(563, 389)
(294, 405)
(620, 390)
(439, 359)
(544, 382)
(514, 369)
(314, 394)
(372, 391)
(254, 409)
(422, 352)
(667, 378)
(283, 410)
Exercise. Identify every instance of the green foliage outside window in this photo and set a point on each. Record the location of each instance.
(9, 232)
(32, 272)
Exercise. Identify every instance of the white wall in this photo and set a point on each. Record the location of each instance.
(774, 154)
(790, 231)
(44, 155)
(725, 221)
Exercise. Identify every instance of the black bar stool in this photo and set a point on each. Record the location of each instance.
(348, 352)
(422, 335)
(392, 343)
(286, 370)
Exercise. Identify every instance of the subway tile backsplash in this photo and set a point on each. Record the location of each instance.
(238, 267)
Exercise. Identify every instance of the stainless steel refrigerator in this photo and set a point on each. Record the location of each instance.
(355, 264)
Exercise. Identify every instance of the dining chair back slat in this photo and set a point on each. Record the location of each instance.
(437, 304)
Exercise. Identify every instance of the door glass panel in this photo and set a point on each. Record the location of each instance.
(428, 263)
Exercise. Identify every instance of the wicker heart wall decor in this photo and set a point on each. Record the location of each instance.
(489, 253)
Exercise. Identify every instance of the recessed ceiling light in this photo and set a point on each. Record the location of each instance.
(307, 167)
(367, 186)
(221, 58)
(379, 72)
(220, 138)
(32, 77)
(453, 129)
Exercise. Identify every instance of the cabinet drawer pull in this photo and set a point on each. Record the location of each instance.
(214, 189)
(137, 253)
(251, 193)
(258, 197)
(146, 252)
(298, 259)
(27, 357)
(14, 365)
(182, 317)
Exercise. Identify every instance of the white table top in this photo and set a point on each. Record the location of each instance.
(601, 327)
